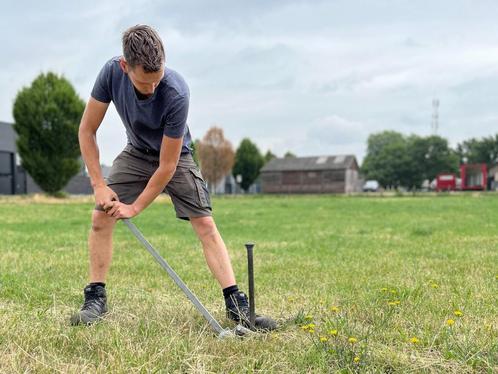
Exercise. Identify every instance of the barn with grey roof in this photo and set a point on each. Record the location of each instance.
(320, 174)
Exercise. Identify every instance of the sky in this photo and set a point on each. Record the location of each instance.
(310, 77)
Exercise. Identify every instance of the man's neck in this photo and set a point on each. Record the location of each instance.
(140, 95)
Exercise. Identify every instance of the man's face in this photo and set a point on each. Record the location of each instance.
(145, 83)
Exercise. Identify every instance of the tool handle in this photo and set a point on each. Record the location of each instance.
(179, 282)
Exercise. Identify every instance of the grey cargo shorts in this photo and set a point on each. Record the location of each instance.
(131, 172)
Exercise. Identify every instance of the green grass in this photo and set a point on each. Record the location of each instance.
(395, 267)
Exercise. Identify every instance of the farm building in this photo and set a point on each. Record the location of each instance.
(322, 174)
(8, 174)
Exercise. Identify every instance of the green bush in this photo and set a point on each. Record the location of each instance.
(47, 116)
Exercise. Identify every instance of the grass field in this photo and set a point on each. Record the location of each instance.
(367, 284)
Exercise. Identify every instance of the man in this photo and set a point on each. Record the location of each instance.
(152, 102)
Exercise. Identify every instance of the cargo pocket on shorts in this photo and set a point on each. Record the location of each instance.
(201, 188)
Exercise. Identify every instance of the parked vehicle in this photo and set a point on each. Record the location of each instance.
(446, 182)
(474, 176)
(371, 186)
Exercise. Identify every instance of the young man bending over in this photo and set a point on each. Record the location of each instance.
(152, 102)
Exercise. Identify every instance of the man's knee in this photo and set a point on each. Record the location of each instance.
(102, 222)
(204, 226)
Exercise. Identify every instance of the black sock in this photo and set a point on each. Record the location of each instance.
(97, 284)
(230, 290)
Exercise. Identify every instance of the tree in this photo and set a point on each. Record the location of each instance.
(431, 156)
(216, 156)
(47, 116)
(268, 156)
(395, 160)
(195, 150)
(387, 160)
(248, 163)
(289, 154)
(483, 150)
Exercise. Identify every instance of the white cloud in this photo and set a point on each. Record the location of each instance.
(280, 71)
(335, 130)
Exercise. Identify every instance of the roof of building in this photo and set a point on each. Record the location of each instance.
(311, 163)
(7, 137)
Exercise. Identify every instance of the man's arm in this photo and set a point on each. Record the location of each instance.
(168, 159)
(92, 118)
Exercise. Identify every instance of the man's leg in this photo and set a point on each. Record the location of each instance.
(217, 258)
(100, 245)
(100, 252)
(215, 251)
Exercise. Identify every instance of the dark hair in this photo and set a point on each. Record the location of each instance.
(143, 46)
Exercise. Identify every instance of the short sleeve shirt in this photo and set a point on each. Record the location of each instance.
(147, 120)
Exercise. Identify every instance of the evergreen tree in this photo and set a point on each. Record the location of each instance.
(47, 116)
(248, 163)
(269, 156)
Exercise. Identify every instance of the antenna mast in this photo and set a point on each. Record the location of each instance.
(435, 116)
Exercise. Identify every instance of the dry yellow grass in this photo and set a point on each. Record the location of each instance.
(379, 270)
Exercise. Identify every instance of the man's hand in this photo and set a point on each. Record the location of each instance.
(120, 210)
(104, 195)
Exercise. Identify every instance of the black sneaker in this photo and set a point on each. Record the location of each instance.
(238, 311)
(94, 308)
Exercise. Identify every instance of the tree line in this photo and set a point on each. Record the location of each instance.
(48, 112)
(396, 160)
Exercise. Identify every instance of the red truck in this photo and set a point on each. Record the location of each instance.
(446, 182)
(474, 177)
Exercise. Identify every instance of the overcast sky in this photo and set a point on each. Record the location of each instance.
(312, 77)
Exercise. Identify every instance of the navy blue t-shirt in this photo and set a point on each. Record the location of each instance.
(146, 121)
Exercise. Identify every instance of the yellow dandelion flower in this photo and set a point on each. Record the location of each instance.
(311, 331)
(435, 285)
(394, 292)
(352, 340)
(311, 325)
(356, 359)
(384, 289)
(323, 339)
(450, 322)
(308, 317)
(496, 276)
(333, 332)
(458, 313)
(414, 340)
(334, 309)
(393, 303)
(305, 327)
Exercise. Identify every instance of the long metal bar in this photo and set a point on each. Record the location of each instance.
(212, 321)
(250, 273)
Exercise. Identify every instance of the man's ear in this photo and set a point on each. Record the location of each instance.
(123, 64)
